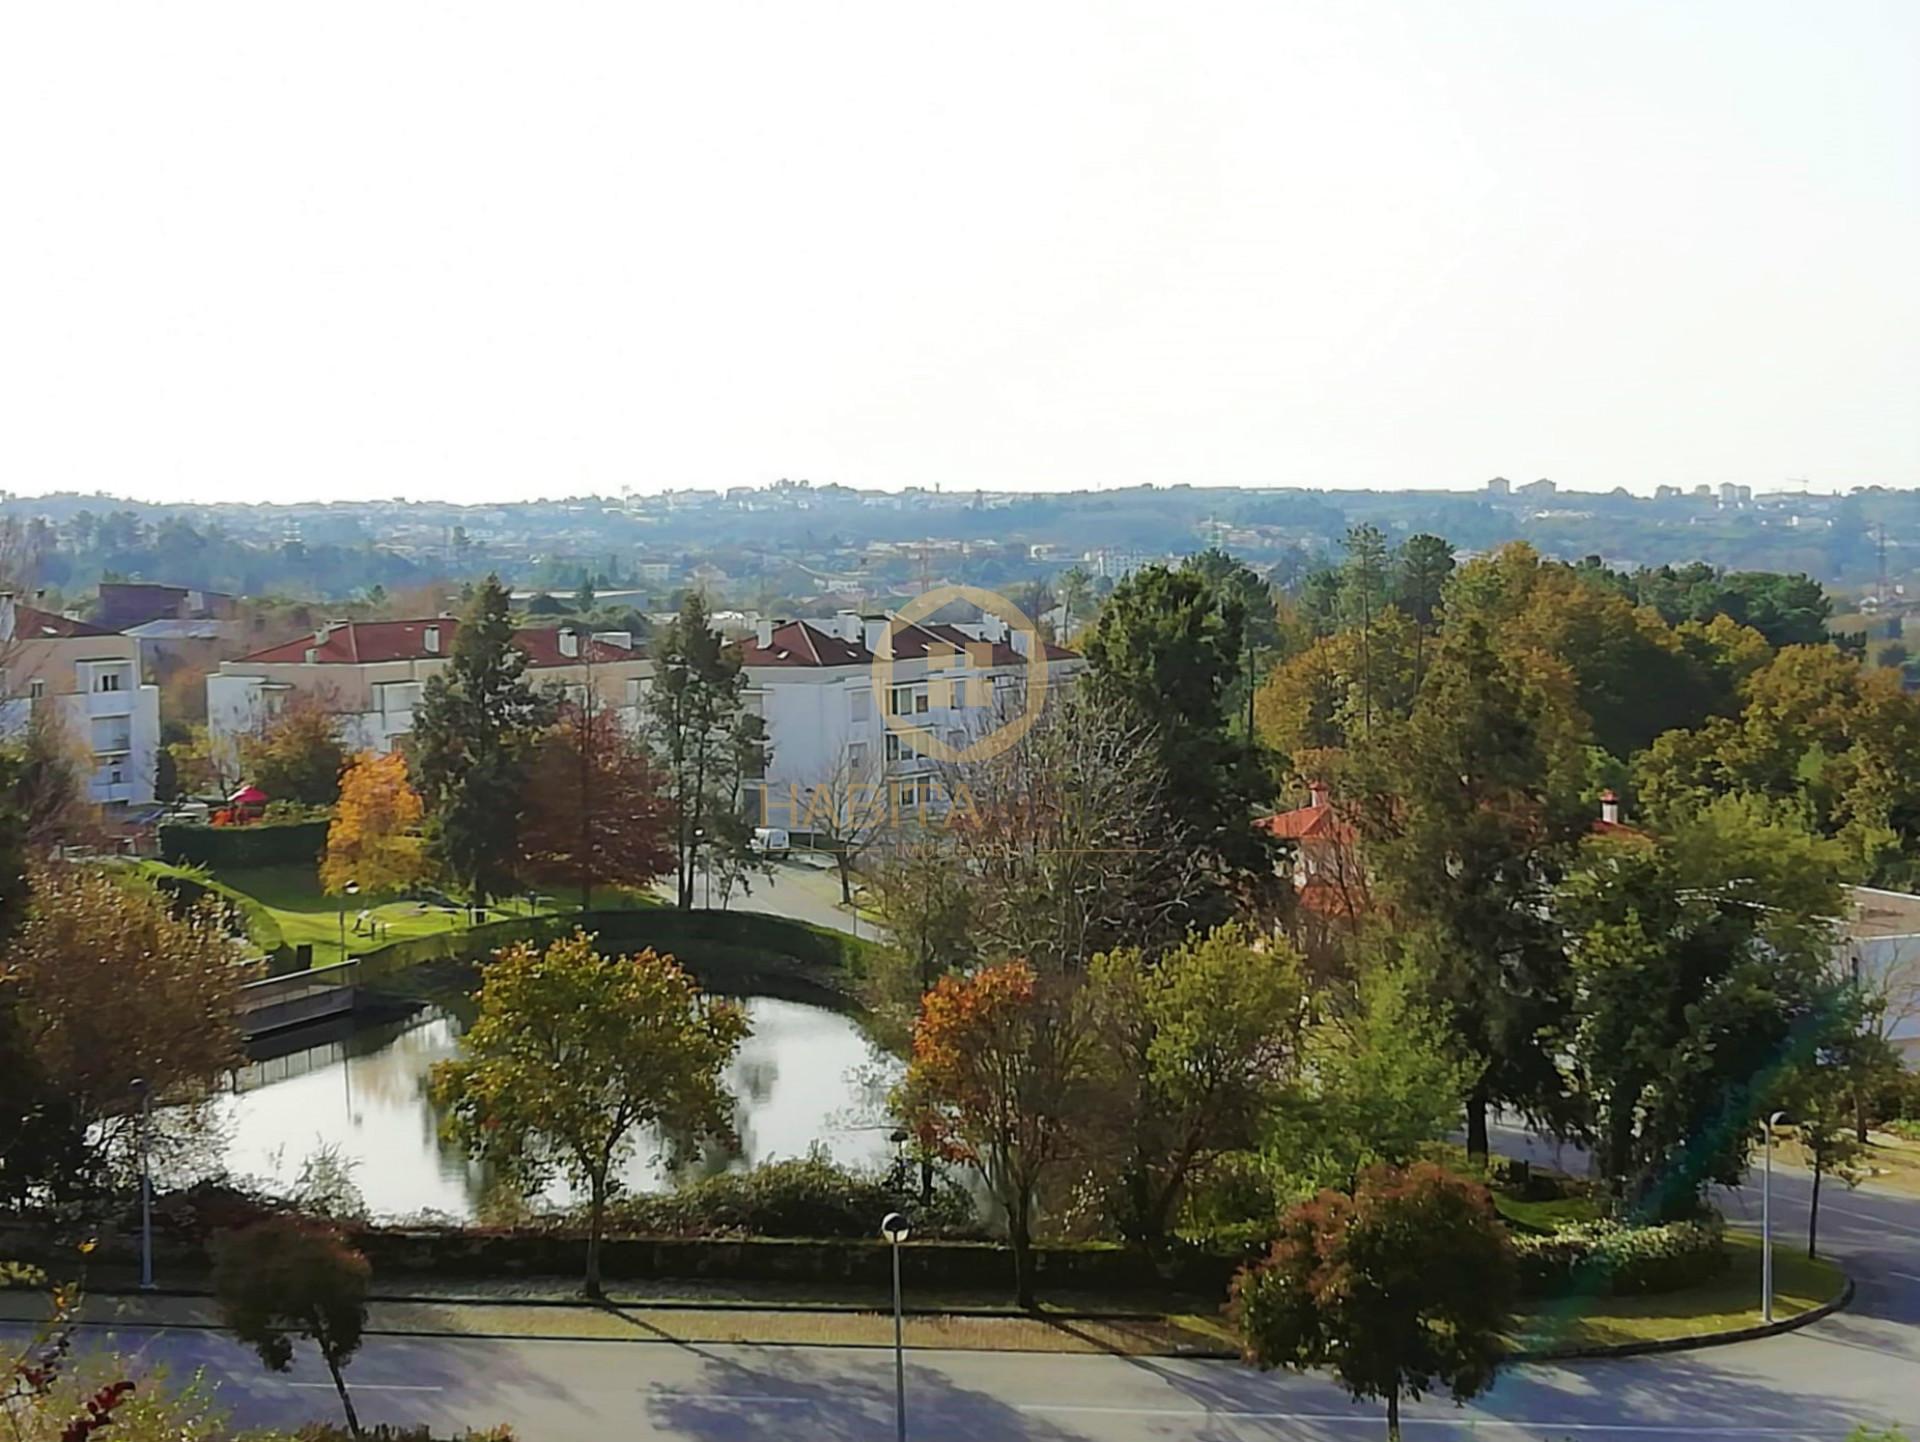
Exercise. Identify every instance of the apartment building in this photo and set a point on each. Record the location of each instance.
(814, 683)
(87, 680)
(371, 675)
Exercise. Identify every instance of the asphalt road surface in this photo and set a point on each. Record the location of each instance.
(1860, 1365)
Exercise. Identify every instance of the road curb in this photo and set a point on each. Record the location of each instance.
(1694, 1342)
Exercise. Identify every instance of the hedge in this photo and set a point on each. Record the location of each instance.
(243, 913)
(810, 1196)
(1612, 1259)
(226, 848)
(750, 941)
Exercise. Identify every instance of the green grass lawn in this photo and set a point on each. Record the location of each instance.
(1730, 1301)
(1547, 1216)
(307, 916)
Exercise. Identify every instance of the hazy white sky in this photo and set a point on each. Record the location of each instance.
(483, 252)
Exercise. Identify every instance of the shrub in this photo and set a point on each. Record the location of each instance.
(1905, 1130)
(810, 1196)
(1610, 1258)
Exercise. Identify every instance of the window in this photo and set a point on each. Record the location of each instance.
(900, 701)
(108, 680)
(920, 701)
(857, 757)
(906, 795)
(36, 688)
(900, 748)
(859, 705)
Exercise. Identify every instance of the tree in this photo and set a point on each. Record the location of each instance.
(595, 808)
(926, 911)
(286, 1277)
(1401, 1289)
(374, 837)
(1364, 579)
(1167, 652)
(112, 987)
(847, 813)
(49, 786)
(1076, 599)
(1003, 1065)
(1467, 812)
(1197, 1046)
(573, 1052)
(296, 755)
(1071, 842)
(584, 598)
(704, 736)
(1420, 570)
(1701, 966)
(1821, 1091)
(473, 732)
(1381, 1078)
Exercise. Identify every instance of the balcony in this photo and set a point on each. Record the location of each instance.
(110, 703)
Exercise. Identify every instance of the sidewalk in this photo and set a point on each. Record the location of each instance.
(554, 1318)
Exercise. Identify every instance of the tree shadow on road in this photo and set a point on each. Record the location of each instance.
(793, 1397)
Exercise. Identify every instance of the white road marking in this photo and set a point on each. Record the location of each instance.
(1692, 1429)
(1869, 1217)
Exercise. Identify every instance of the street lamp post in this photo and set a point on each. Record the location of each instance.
(352, 888)
(1766, 1222)
(144, 1092)
(894, 1228)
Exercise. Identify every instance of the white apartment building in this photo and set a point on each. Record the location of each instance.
(88, 681)
(371, 675)
(813, 682)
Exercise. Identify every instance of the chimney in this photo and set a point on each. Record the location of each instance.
(846, 625)
(873, 635)
(1021, 640)
(621, 639)
(1610, 807)
(9, 618)
(763, 633)
(430, 640)
(1317, 793)
(569, 642)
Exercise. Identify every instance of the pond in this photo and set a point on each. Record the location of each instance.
(807, 1076)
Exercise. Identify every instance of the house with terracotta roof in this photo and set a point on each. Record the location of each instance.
(86, 679)
(1327, 871)
(371, 674)
(869, 701)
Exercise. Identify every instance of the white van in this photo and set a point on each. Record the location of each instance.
(771, 842)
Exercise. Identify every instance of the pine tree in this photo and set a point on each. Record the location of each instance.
(473, 735)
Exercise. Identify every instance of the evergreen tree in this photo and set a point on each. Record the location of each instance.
(704, 736)
(1167, 651)
(474, 732)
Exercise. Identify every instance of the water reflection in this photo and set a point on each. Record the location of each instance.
(806, 1075)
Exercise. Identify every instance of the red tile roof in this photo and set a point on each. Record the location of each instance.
(1303, 823)
(30, 623)
(542, 645)
(359, 643)
(798, 643)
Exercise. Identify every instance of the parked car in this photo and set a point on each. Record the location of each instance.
(771, 842)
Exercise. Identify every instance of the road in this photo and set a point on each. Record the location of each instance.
(1860, 1365)
(798, 889)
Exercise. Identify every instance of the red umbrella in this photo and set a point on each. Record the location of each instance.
(248, 796)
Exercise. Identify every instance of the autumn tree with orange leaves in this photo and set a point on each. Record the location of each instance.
(374, 839)
(1003, 1065)
(595, 808)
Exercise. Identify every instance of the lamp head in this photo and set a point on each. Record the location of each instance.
(894, 1227)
